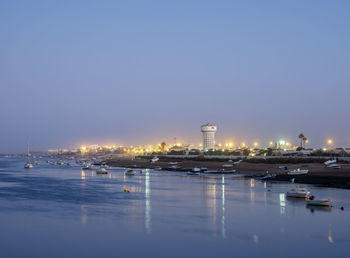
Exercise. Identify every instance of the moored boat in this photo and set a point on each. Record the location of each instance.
(298, 193)
(28, 165)
(143, 171)
(196, 169)
(334, 165)
(220, 171)
(87, 166)
(130, 172)
(102, 171)
(320, 202)
(329, 162)
(298, 172)
(192, 173)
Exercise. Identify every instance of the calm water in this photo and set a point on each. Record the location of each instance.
(58, 211)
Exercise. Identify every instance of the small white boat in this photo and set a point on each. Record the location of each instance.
(268, 176)
(28, 165)
(192, 173)
(298, 193)
(298, 172)
(335, 166)
(321, 202)
(227, 166)
(104, 166)
(328, 162)
(130, 172)
(155, 159)
(102, 171)
(143, 171)
(87, 166)
(196, 169)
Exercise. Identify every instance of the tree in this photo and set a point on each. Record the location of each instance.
(301, 137)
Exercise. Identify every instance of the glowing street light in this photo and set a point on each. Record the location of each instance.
(330, 141)
(256, 144)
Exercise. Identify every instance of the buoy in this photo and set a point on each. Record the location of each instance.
(342, 208)
(128, 191)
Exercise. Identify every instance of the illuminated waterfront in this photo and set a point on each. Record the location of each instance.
(59, 211)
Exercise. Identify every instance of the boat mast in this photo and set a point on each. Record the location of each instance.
(27, 151)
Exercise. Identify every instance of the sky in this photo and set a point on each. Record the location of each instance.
(140, 72)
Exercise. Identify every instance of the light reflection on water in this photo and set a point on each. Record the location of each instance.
(147, 203)
(208, 216)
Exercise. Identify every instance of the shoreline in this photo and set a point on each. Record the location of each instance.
(318, 174)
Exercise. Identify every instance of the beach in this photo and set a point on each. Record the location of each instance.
(318, 173)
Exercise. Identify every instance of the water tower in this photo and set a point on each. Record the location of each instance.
(208, 131)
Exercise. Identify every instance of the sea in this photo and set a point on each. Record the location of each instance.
(64, 211)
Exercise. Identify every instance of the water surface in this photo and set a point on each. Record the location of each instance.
(60, 211)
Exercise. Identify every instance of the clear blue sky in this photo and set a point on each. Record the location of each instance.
(74, 72)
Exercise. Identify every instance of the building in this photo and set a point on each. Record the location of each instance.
(208, 131)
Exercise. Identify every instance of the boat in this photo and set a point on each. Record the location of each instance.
(268, 176)
(104, 166)
(28, 164)
(196, 169)
(173, 168)
(298, 193)
(87, 166)
(192, 173)
(237, 162)
(143, 171)
(320, 202)
(336, 166)
(102, 171)
(298, 172)
(220, 171)
(227, 166)
(155, 159)
(331, 161)
(130, 172)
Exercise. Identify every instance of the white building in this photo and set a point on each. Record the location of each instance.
(208, 131)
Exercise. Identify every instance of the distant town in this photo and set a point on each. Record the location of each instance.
(209, 147)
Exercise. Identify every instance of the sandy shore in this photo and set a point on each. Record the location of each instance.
(318, 174)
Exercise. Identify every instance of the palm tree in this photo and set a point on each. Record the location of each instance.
(301, 137)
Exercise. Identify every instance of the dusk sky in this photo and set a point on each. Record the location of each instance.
(141, 72)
